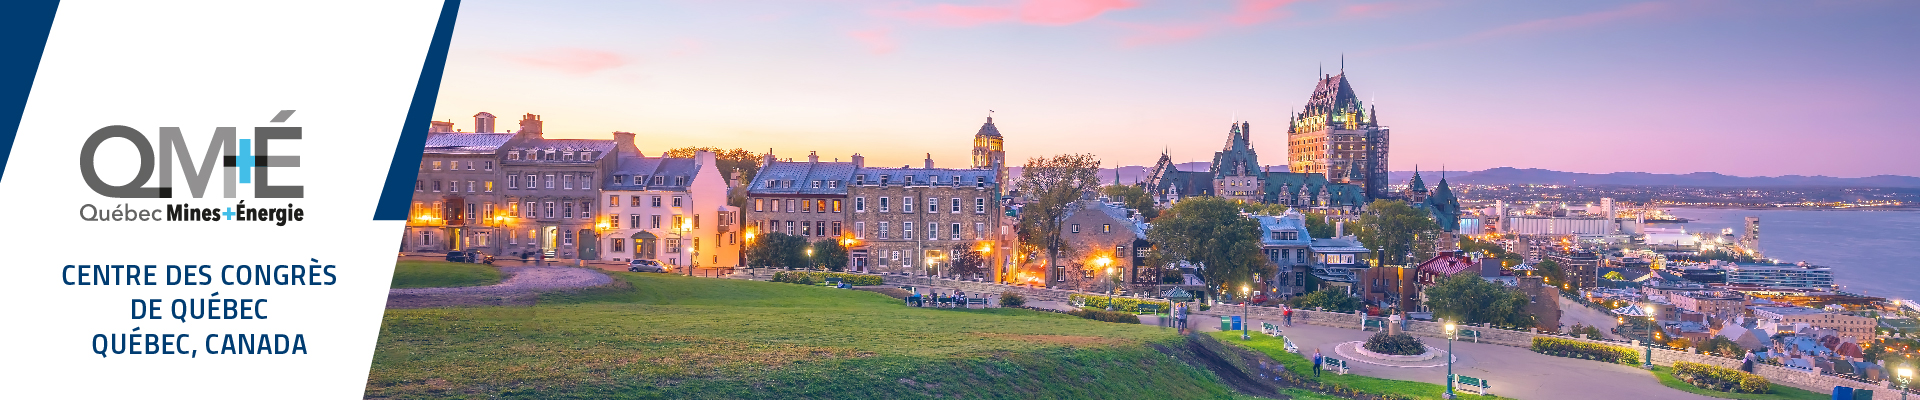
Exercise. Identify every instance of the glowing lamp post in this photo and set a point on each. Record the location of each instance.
(1451, 334)
(1906, 377)
(1105, 264)
(1244, 305)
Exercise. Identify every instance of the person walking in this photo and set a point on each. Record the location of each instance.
(1746, 363)
(540, 259)
(1286, 315)
(1317, 359)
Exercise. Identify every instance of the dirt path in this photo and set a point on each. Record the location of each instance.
(522, 286)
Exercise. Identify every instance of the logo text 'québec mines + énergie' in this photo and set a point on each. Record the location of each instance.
(250, 164)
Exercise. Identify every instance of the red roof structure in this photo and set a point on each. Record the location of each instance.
(1446, 265)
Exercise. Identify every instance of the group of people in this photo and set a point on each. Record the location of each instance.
(918, 300)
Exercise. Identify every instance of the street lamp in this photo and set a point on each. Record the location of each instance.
(1451, 334)
(1244, 292)
(1648, 362)
(1105, 263)
(746, 253)
(1906, 376)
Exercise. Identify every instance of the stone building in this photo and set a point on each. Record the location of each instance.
(921, 220)
(1236, 173)
(673, 210)
(1543, 302)
(990, 152)
(806, 199)
(1860, 329)
(552, 190)
(1337, 136)
(1102, 241)
(457, 201)
(1582, 267)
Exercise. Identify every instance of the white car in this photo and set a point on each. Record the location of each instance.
(638, 265)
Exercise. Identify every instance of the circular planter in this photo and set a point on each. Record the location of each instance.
(1428, 355)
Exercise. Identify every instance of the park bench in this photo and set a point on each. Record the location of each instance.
(1468, 383)
(1470, 334)
(1291, 348)
(835, 282)
(1269, 329)
(972, 302)
(1333, 364)
(1148, 308)
(1371, 323)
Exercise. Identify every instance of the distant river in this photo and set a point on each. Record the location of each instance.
(1876, 252)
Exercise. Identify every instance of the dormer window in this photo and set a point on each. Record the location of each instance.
(619, 179)
(567, 156)
(956, 181)
(906, 180)
(679, 181)
(979, 181)
(513, 155)
(659, 180)
(816, 184)
(860, 179)
(883, 177)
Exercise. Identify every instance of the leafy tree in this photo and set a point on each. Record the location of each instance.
(1330, 299)
(966, 261)
(1392, 228)
(778, 250)
(1464, 297)
(1615, 275)
(1725, 347)
(737, 165)
(829, 254)
(1552, 271)
(1134, 197)
(1053, 188)
(1211, 232)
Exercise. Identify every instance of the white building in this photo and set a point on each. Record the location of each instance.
(1780, 276)
(673, 210)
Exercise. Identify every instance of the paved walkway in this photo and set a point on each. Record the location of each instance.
(521, 286)
(1514, 372)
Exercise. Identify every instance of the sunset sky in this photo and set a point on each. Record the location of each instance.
(1737, 87)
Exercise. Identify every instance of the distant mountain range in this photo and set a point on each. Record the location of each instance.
(1509, 175)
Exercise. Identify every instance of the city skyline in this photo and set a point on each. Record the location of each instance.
(1662, 87)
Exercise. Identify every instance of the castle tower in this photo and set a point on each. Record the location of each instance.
(989, 151)
(1340, 137)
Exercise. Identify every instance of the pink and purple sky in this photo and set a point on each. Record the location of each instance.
(1736, 87)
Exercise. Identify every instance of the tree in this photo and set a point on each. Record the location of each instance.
(829, 254)
(737, 165)
(966, 261)
(1134, 197)
(1053, 188)
(1329, 299)
(1317, 225)
(778, 250)
(1552, 271)
(1391, 227)
(1466, 298)
(1211, 232)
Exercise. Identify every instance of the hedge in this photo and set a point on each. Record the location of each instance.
(1108, 316)
(812, 277)
(1592, 351)
(1126, 304)
(1720, 378)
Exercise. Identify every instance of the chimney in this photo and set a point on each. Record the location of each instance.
(1339, 228)
(859, 161)
(813, 156)
(1489, 267)
(441, 127)
(530, 124)
(929, 160)
(702, 159)
(623, 141)
(767, 159)
(483, 122)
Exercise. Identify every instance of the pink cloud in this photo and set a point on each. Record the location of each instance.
(1382, 8)
(1255, 12)
(1147, 35)
(1628, 12)
(878, 41)
(575, 61)
(1068, 12)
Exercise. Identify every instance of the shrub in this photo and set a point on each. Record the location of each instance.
(1592, 351)
(1720, 378)
(1011, 299)
(820, 276)
(1400, 345)
(1108, 316)
(1131, 305)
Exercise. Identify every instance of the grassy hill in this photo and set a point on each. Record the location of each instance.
(421, 274)
(665, 336)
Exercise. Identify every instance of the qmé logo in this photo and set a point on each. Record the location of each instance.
(241, 161)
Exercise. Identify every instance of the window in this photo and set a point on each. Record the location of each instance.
(532, 213)
(859, 204)
(656, 221)
(673, 245)
(836, 205)
(906, 230)
(586, 181)
(979, 205)
(883, 231)
(436, 186)
(820, 205)
(759, 205)
(806, 206)
(1076, 228)
(633, 201)
(806, 228)
(568, 184)
(513, 208)
(633, 220)
(549, 181)
(906, 204)
(956, 181)
(568, 238)
(566, 210)
(426, 236)
(696, 221)
(979, 181)
(513, 155)
(789, 227)
(489, 165)
(513, 237)
(933, 232)
(954, 232)
(906, 180)
(567, 156)
(656, 201)
(659, 180)
(613, 201)
(836, 229)
(860, 230)
(550, 213)
(979, 230)
(820, 228)
(619, 245)
(486, 210)
(489, 186)
(816, 184)
(679, 181)
(436, 165)
(469, 165)
(513, 181)
(860, 179)
(469, 186)
(956, 205)
(883, 203)
(533, 181)
(1106, 228)
(677, 221)
(933, 205)
(419, 185)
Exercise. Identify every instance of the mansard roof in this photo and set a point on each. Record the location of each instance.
(642, 168)
(772, 177)
(466, 143)
(988, 129)
(924, 176)
(601, 148)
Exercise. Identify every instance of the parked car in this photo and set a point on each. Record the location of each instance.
(463, 256)
(638, 265)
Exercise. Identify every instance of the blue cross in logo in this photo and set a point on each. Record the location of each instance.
(228, 214)
(245, 161)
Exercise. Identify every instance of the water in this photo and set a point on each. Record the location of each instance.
(1876, 253)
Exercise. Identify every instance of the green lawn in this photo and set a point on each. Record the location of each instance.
(420, 274)
(1780, 392)
(1276, 348)
(670, 336)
